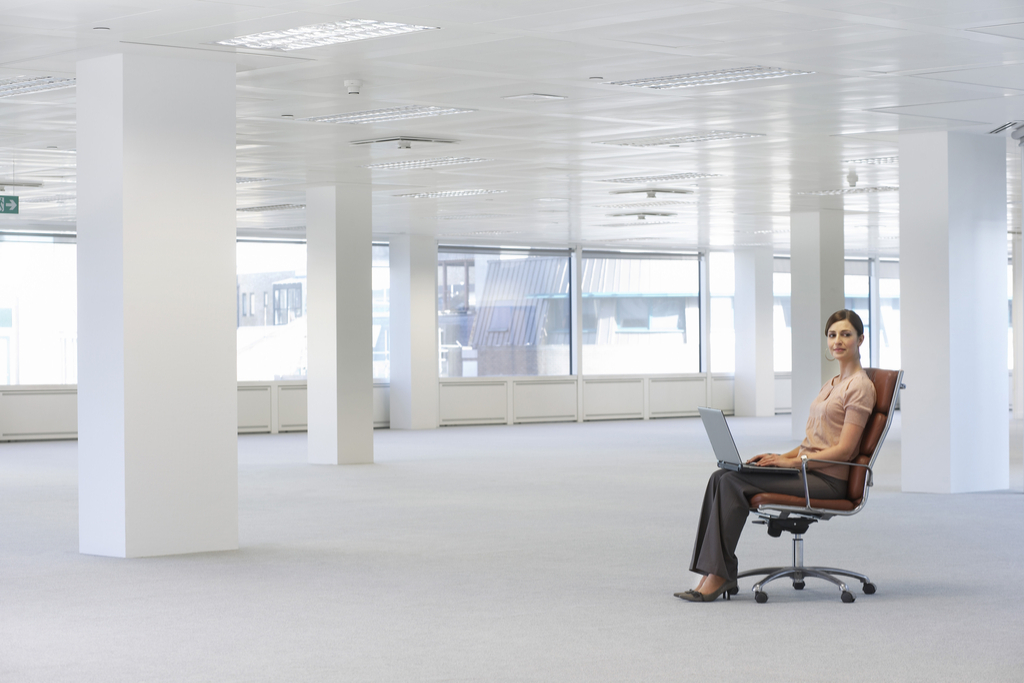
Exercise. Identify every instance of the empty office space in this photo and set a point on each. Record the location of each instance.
(367, 341)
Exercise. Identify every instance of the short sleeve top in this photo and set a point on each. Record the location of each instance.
(839, 401)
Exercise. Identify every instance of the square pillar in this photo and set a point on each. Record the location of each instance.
(414, 362)
(816, 272)
(339, 377)
(755, 360)
(953, 307)
(157, 387)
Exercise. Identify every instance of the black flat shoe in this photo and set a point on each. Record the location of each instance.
(697, 596)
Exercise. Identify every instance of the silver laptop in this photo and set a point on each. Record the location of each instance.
(725, 447)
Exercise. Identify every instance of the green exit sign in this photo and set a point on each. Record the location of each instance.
(8, 204)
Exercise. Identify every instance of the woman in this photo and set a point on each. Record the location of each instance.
(834, 428)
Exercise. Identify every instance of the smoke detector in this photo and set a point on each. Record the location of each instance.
(353, 86)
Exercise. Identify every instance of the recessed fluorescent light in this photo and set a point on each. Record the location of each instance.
(746, 73)
(48, 199)
(244, 180)
(682, 139)
(318, 35)
(645, 205)
(635, 224)
(20, 85)
(534, 97)
(874, 160)
(853, 190)
(552, 199)
(415, 111)
(642, 215)
(471, 216)
(424, 163)
(659, 178)
(272, 207)
(482, 232)
(448, 193)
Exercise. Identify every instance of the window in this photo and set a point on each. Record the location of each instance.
(857, 285)
(503, 312)
(38, 311)
(272, 342)
(722, 277)
(782, 317)
(1009, 296)
(381, 277)
(641, 314)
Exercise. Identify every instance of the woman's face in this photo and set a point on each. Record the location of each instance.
(843, 340)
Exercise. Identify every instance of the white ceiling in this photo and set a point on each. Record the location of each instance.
(880, 68)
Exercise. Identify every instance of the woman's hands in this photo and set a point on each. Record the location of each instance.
(790, 459)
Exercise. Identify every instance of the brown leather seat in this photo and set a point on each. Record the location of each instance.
(885, 391)
(793, 514)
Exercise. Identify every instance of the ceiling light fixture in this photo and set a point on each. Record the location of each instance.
(873, 160)
(659, 178)
(423, 163)
(534, 97)
(681, 139)
(272, 207)
(448, 193)
(852, 190)
(745, 73)
(404, 141)
(20, 85)
(645, 205)
(653, 191)
(634, 224)
(319, 35)
(415, 111)
(471, 216)
(244, 180)
(642, 215)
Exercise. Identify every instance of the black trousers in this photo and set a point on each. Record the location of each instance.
(726, 504)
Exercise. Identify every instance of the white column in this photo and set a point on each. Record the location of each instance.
(340, 324)
(157, 388)
(953, 306)
(816, 272)
(755, 360)
(414, 364)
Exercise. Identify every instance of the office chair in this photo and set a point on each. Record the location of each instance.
(795, 514)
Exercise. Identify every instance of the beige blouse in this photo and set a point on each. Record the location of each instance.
(850, 400)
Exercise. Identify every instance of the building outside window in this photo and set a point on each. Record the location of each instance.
(641, 314)
(38, 311)
(272, 311)
(889, 315)
(782, 317)
(503, 312)
(381, 278)
(857, 285)
(722, 279)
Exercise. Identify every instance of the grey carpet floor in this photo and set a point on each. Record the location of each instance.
(525, 553)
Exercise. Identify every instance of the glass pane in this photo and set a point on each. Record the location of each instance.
(381, 276)
(1009, 296)
(38, 312)
(857, 300)
(271, 285)
(516, 324)
(641, 316)
(889, 324)
(722, 277)
(782, 319)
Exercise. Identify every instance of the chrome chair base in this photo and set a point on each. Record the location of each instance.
(798, 572)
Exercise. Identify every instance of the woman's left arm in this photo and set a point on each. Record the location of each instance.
(849, 440)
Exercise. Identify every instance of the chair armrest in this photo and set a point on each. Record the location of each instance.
(803, 468)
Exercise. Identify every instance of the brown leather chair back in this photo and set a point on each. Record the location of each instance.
(886, 385)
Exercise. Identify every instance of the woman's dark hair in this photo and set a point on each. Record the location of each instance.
(848, 315)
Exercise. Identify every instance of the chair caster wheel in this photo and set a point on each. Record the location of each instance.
(869, 588)
(847, 596)
(798, 585)
(761, 596)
